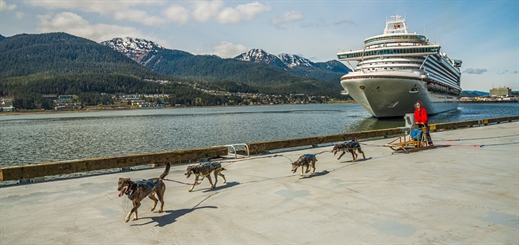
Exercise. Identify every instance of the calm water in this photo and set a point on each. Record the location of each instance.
(38, 138)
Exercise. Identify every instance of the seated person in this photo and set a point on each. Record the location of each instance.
(421, 120)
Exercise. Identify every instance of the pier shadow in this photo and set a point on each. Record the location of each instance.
(170, 216)
(217, 188)
(221, 187)
(316, 174)
(356, 161)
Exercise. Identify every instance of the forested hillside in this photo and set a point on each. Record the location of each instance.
(59, 63)
(61, 53)
(35, 66)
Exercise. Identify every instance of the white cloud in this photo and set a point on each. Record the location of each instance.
(229, 15)
(86, 6)
(138, 16)
(475, 71)
(291, 16)
(177, 14)
(242, 12)
(345, 22)
(6, 7)
(102, 7)
(74, 24)
(121, 9)
(204, 10)
(507, 72)
(19, 15)
(124, 10)
(229, 50)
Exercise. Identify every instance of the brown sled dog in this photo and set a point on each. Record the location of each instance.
(351, 146)
(138, 190)
(205, 169)
(306, 160)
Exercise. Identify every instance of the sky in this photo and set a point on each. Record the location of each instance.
(484, 34)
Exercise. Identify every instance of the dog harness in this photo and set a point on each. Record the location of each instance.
(351, 144)
(212, 165)
(304, 157)
(308, 156)
(140, 182)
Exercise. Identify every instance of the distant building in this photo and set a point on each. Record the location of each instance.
(501, 91)
(65, 97)
(7, 108)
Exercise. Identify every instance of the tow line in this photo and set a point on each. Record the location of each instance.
(238, 160)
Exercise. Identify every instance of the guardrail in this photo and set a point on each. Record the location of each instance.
(260, 147)
(160, 158)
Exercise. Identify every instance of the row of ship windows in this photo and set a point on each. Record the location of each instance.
(409, 37)
(448, 82)
(417, 64)
(389, 51)
(385, 63)
(441, 68)
(451, 83)
(390, 68)
(435, 76)
(449, 79)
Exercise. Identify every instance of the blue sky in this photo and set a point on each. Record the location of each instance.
(483, 34)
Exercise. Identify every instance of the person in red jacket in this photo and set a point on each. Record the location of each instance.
(421, 120)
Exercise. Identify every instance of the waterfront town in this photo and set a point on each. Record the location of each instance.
(136, 101)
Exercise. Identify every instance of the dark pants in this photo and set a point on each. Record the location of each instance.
(427, 135)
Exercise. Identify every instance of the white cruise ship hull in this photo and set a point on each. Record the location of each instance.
(389, 96)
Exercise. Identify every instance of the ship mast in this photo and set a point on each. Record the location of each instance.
(396, 25)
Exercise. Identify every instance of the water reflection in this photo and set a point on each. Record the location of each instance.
(372, 123)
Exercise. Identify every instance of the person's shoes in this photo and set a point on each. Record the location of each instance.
(431, 144)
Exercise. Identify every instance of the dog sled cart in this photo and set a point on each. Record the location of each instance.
(412, 140)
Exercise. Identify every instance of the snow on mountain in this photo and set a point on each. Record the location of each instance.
(281, 60)
(260, 56)
(135, 48)
(292, 60)
(330, 70)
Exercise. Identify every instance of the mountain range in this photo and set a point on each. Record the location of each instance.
(59, 63)
(255, 67)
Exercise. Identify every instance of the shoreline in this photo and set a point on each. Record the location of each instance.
(110, 108)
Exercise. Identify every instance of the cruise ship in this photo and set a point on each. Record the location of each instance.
(398, 68)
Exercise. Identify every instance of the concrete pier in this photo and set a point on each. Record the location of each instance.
(465, 191)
